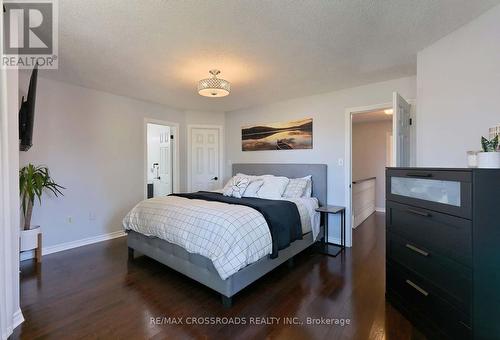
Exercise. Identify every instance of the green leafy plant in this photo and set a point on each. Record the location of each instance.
(489, 145)
(33, 181)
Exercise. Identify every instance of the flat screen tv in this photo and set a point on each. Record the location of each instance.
(27, 114)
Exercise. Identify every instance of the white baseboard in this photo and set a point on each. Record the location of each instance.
(5, 335)
(73, 244)
(17, 319)
(381, 210)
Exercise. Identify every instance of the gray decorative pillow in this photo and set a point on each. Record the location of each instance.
(236, 186)
(295, 188)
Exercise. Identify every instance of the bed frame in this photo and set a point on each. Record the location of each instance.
(201, 269)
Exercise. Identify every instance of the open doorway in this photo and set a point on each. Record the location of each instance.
(160, 159)
(371, 153)
(395, 147)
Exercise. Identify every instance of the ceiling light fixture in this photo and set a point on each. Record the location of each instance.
(388, 111)
(214, 87)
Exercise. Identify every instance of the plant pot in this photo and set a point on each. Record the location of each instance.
(488, 160)
(29, 238)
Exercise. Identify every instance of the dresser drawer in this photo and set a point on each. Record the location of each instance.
(439, 233)
(422, 300)
(446, 191)
(454, 279)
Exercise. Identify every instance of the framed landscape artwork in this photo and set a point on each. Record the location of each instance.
(291, 135)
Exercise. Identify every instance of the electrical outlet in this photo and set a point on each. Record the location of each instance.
(92, 216)
(341, 162)
(69, 219)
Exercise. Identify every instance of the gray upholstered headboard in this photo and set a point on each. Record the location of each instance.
(317, 171)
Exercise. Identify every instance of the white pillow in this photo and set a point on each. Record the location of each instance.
(228, 184)
(295, 188)
(236, 187)
(251, 178)
(253, 188)
(308, 189)
(273, 187)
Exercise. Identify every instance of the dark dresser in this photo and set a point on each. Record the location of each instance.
(443, 250)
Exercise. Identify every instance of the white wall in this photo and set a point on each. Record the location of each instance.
(93, 143)
(328, 113)
(206, 118)
(369, 155)
(458, 83)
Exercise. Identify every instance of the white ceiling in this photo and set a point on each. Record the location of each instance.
(371, 117)
(156, 50)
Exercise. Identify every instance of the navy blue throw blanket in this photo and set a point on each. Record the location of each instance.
(282, 217)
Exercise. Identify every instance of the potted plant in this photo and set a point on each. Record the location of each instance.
(33, 181)
(490, 156)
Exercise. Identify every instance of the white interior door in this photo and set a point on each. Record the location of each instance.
(165, 165)
(205, 159)
(401, 130)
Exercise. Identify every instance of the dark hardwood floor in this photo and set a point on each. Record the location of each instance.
(94, 292)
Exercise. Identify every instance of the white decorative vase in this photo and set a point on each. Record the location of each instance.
(29, 238)
(488, 160)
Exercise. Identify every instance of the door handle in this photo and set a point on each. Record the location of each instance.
(420, 213)
(215, 178)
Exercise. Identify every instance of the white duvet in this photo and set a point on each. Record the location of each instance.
(232, 236)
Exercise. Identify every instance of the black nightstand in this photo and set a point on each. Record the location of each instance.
(328, 248)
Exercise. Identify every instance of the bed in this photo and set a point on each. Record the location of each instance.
(208, 272)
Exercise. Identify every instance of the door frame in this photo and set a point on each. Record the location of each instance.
(11, 315)
(349, 112)
(9, 207)
(174, 130)
(190, 127)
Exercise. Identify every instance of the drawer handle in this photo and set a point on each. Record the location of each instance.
(420, 213)
(465, 324)
(417, 287)
(417, 250)
(419, 174)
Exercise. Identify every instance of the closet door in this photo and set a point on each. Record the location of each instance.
(205, 159)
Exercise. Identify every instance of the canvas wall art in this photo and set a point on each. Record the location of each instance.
(297, 134)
